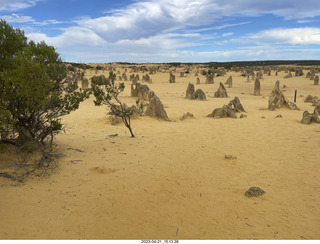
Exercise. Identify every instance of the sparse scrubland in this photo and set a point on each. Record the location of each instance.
(235, 159)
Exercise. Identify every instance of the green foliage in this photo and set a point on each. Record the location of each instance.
(140, 105)
(106, 91)
(99, 67)
(33, 91)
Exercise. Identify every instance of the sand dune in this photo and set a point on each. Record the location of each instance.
(172, 181)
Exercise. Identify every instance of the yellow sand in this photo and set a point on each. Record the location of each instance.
(172, 181)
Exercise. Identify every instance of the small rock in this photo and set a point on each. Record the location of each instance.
(254, 192)
(243, 116)
(279, 116)
(187, 115)
(262, 117)
(228, 156)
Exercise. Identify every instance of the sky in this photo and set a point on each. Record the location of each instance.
(161, 31)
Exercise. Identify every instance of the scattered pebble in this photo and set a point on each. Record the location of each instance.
(254, 192)
(228, 156)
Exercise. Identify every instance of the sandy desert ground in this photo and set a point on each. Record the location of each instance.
(172, 180)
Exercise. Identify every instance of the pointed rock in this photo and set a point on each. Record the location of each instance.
(156, 109)
(198, 95)
(190, 91)
(256, 87)
(221, 92)
(236, 105)
(277, 99)
(223, 112)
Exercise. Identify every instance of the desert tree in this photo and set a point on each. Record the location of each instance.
(34, 92)
(106, 92)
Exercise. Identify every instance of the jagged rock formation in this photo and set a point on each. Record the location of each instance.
(308, 118)
(156, 109)
(146, 78)
(316, 80)
(256, 90)
(277, 99)
(223, 112)
(228, 110)
(190, 91)
(172, 78)
(210, 79)
(136, 78)
(198, 95)
(229, 81)
(221, 92)
(141, 91)
(236, 105)
(311, 99)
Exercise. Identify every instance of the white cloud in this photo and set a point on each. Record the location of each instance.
(15, 18)
(293, 36)
(289, 9)
(14, 5)
(227, 34)
(158, 30)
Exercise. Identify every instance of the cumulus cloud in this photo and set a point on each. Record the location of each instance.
(161, 29)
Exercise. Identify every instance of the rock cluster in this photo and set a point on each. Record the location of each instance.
(139, 90)
(228, 110)
(194, 95)
(155, 107)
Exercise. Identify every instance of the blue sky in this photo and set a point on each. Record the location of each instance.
(170, 30)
